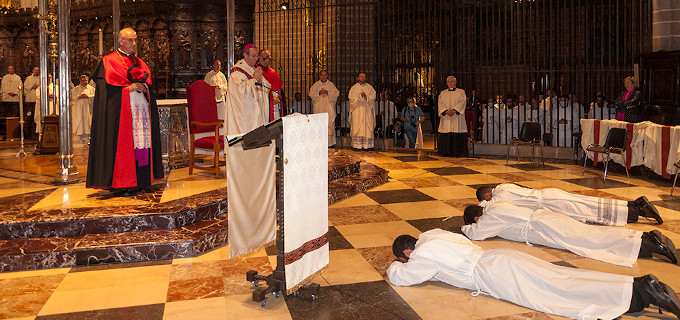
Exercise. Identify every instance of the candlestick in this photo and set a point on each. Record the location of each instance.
(101, 43)
(21, 153)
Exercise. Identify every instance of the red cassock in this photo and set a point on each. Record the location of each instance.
(111, 161)
(276, 85)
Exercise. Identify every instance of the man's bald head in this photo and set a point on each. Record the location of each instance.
(127, 38)
(362, 77)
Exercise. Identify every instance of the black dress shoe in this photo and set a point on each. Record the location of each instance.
(647, 209)
(662, 295)
(663, 246)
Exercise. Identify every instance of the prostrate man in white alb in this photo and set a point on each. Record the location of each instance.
(324, 94)
(216, 78)
(614, 245)
(82, 99)
(362, 114)
(247, 96)
(604, 211)
(453, 137)
(523, 279)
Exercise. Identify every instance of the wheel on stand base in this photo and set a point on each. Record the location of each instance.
(259, 295)
(263, 302)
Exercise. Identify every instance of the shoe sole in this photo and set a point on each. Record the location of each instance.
(650, 206)
(665, 240)
(669, 293)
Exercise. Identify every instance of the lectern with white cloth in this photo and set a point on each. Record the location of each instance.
(301, 199)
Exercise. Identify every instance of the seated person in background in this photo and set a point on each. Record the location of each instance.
(399, 140)
(619, 246)
(523, 279)
(608, 212)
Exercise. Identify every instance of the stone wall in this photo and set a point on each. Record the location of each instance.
(666, 25)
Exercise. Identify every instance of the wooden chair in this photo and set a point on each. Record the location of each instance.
(615, 143)
(203, 118)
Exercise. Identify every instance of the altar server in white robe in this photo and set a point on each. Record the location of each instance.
(548, 105)
(492, 117)
(324, 94)
(386, 109)
(82, 99)
(9, 86)
(523, 279)
(247, 95)
(216, 78)
(362, 113)
(37, 115)
(613, 245)
(453, 139)
(565, 121)
(513, 118)
(31, 83)
(603, 211)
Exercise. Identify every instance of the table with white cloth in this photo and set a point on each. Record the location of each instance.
(655, 146)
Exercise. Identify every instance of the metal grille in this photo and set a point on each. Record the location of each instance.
(509, 51)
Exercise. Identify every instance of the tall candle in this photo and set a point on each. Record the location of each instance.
(101, 43)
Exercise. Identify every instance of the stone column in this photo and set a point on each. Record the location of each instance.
(666, 25)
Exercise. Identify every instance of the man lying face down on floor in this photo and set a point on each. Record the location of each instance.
(524, 279)
(614, 245)
(609, 212)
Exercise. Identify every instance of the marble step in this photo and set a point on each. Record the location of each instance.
(104, 248)
(368, 177)
(18, 223)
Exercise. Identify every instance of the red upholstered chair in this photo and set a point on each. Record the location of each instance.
(203, 118)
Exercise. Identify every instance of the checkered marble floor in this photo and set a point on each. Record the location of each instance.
(424, 192)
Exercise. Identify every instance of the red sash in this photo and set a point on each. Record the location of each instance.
(241, 71)
(629, 139)
(665, 148)
(596, 139)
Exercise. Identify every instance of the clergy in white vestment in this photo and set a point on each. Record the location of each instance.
(548, 105)
(565, 121)
(300, 106)
(523, 279)
(31, 83)
(453, 139)
(610, 212)
(9, 87)
(386, 109)
(247, 95)
(324, 94)
(620, 246)
(362, 113)
(492, 117)
(513, 119)
(37, 114)
(216, 78)
(82, 99)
